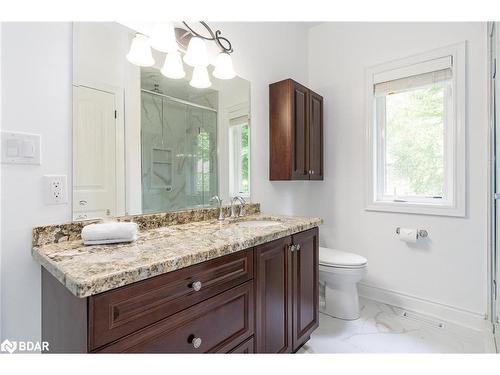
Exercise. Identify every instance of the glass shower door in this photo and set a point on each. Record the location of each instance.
(202, 137)
(179, 154)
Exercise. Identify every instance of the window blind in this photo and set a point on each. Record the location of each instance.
(238, 120)
(413, 82)
(413, 76)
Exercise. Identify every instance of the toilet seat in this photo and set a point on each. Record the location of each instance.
(340, 259)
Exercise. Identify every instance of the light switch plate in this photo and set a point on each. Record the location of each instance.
(55, 189)
(20, 148)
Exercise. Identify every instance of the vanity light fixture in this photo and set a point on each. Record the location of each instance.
(173, 68)
(140, 51)
(196, 54)
(200, 78)
(164, 37)
(224, 67)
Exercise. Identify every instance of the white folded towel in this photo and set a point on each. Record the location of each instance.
(106, 233)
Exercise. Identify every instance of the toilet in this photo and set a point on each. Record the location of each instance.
(339, 274)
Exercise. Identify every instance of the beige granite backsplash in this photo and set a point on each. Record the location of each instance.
(48, 234)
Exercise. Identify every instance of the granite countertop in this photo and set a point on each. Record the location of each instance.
(88, 270)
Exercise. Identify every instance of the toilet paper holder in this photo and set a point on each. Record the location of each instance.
(420, 232)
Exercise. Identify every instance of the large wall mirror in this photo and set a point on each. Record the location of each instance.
(145, 143)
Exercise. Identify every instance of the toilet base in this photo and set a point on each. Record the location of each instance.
(341, 301)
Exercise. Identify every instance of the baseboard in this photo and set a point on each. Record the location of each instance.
(440, 311)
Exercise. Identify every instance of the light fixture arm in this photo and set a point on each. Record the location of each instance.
(223, 43)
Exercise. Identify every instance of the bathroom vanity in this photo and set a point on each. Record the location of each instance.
(246, 285)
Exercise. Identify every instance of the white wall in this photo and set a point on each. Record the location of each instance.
(266, 53)
(36, 98)
(447, 273)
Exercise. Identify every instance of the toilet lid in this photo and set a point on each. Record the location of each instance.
(339, 258)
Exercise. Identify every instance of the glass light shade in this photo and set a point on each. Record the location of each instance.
(163, 37)
(200, 78)
(140, 51)
(196, 54)
(173, 68)
(224, 67)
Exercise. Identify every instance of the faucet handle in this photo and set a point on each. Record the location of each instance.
(219, 204)
(217, 199)
(242, 208)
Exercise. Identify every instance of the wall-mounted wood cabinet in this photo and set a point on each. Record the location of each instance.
(295, 132)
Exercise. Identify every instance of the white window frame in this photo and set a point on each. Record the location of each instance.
(455, 172)
(237, 112)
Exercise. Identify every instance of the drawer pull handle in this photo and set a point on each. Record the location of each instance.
(196, 342)
(196, 287)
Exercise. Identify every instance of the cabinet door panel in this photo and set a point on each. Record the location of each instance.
(305, 265)
(273, 303)
(246, 347)
(300, 140)
(316, 136)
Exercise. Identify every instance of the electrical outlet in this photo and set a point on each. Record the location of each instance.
(56, 189)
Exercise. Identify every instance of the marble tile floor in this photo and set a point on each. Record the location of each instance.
(384, 329)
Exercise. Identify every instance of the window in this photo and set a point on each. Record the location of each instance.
(239, 141)
(415, 133)
(203, 170)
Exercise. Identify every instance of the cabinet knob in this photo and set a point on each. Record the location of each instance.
(292, 248)
(196, 342)
(297, 247)
(196, 286)
(312, 172)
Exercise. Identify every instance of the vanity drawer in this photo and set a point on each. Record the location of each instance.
(214, 326)
(122, 311)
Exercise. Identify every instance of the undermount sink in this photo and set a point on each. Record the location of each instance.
(257, 223)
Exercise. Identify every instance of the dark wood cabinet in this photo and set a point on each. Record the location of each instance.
(305, 289)
(259, 300)
(295, 132)
(286, 292)
(273, 289)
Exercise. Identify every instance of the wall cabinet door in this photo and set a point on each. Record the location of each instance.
(295, 132)
(273, 305)
(300, 133)
(315, 136)
(305, 268)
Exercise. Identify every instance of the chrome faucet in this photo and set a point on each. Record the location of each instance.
(233, 206)
(217, 199)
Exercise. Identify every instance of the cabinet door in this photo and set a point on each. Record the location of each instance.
(246, 347)
(300, 132)
(273, 304)
(305, 265)
(316, 136)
